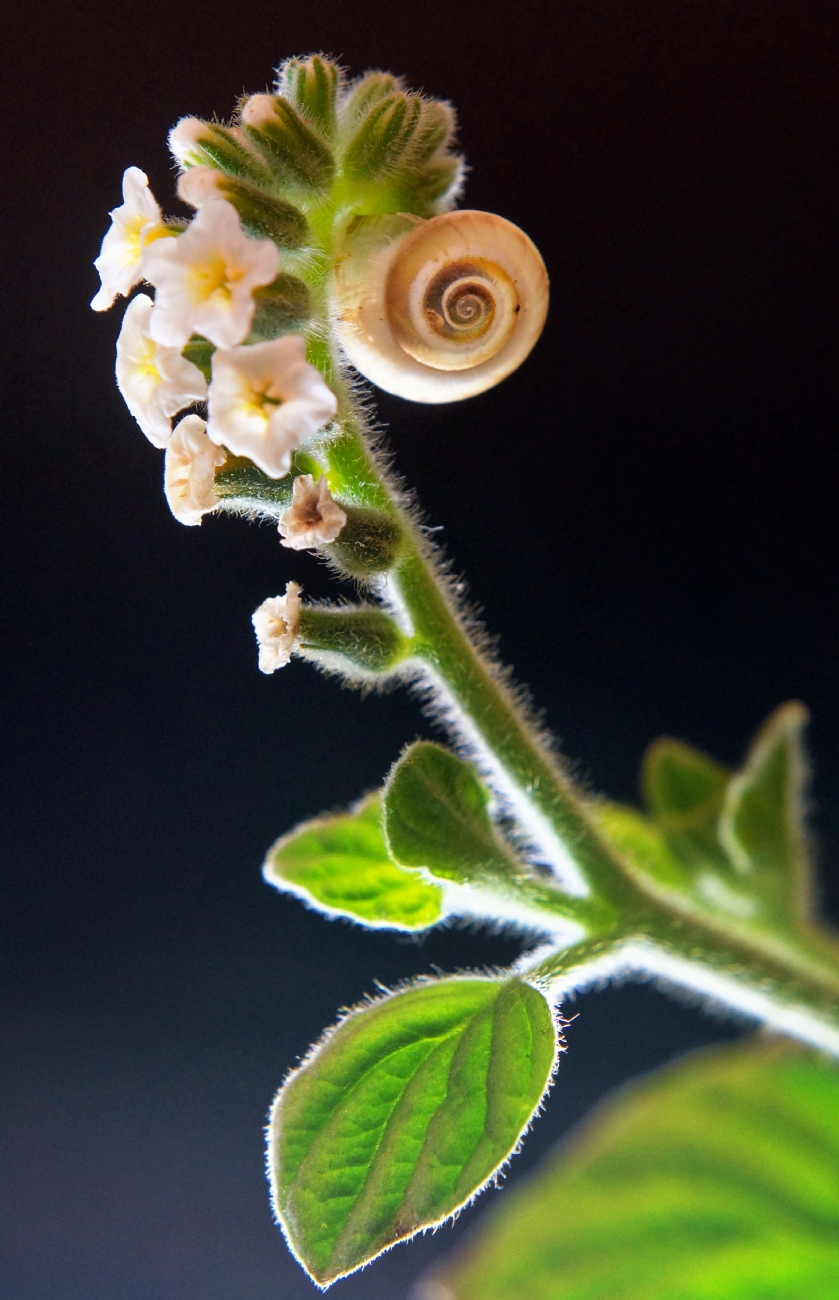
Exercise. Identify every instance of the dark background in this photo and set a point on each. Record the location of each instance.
(646, 510)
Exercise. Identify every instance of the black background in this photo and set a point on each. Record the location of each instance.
(646, 511)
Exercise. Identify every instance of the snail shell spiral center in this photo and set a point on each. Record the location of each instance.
(448, 309)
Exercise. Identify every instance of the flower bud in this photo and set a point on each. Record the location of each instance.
(262, 216)
(359, 642)
(287, 142)
(368, 543)
(224, 147)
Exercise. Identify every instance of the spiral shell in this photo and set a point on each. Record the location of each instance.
(445, 309)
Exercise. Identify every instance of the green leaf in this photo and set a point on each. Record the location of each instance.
(642, 842)
(403, 1113)
(436, 817)
(341, 866)
(763, 824)
(684, 792)
(714, 1180)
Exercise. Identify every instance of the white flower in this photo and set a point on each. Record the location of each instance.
(199, 184)
(266, 399)
(313, 518)
(276, 623)
(133, 225)
(205, 278)
(191, 463)
(155, 381)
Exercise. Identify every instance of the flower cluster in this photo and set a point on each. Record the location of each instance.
(263, 398)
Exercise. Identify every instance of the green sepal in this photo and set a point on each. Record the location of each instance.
(684, 792)
(294, 147)
(340, 865)
(382, 137)
(403, 1113)
(367, 91)
(224, 148)
(355, 640)
(282, 307)
(312, 85)
(263, 216)
(200, 351)
(368, 544)
(762, 823)
(437, 817)
(713, 1178)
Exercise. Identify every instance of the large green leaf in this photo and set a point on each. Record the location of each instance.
(717, 1179)
(403, 1113)
(436, 816)
(341, 866)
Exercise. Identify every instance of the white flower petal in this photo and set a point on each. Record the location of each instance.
(189, 471)
(155, 381)
(138, 218)
(313, 518)
(276, 624)
(205, 278)
(265, 400)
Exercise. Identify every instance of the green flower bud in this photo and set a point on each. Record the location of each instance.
(289, 144)
(368, 543)
(282, 307)
(312, 85)
(357, 641)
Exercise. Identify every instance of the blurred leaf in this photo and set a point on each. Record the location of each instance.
(641, 840)
(763, 823)
(341, 865)
(717, 1179)
(684, 792)
(403, 1113)
(436, 817)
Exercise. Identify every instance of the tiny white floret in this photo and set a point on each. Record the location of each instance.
(206, 277)
(199, 184)
(276, 624)
(313, 518)
(191, 462)
(266, 399)
(136, 222)
(258, 110)
(184, 137)
(155, 381)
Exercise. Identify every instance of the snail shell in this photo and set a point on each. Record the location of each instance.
(439, 310)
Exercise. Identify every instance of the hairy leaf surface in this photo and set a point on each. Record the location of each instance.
(713, 1180)
(436, 816)
(341, 865)
(403, 1113)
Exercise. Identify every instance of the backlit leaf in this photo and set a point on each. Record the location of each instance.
(341, 866)
(404, 1112)
(713, 1180)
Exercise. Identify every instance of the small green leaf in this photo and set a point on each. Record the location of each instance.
(762, 824)
(341, 866)
(714, 1180)
(403, 1113)
(436, 817)
(684, 792)
(642, 842)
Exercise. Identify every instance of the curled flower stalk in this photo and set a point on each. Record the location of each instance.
(326, 244)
